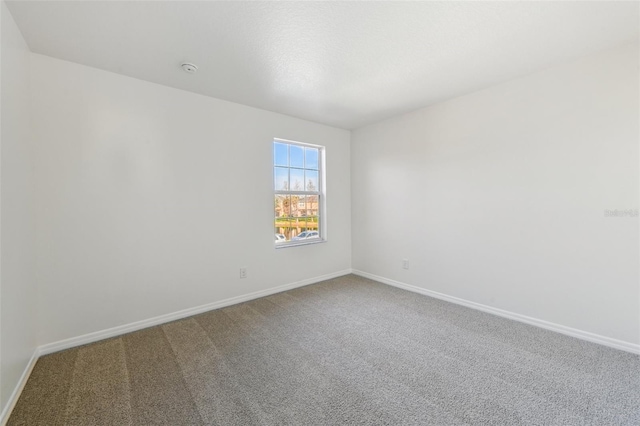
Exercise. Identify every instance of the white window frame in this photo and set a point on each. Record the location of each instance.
(322, 211)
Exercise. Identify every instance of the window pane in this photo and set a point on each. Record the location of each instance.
(296, 169)
(297, 180)
(294, 211)
(311, 180)
(281, 178)
(281, 221)
(311, 158)
(312, 213)
(287, 207)
(297, 156)
(301, 204)
(312, 207)
(279, 205)
(280, 154)
(312, 224)
(298, 226)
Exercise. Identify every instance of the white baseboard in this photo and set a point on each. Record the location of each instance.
(127, 328)
(11, 402)
(573, 332)
(138, 325)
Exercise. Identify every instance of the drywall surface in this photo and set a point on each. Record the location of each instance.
(150, 199)
(343, 63)
(17, 310)
(500, 197)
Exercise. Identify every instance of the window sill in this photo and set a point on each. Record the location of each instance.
(299, 243)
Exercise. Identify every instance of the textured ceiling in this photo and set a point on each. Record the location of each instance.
(345, 64)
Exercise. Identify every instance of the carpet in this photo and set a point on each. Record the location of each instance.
(348, 351)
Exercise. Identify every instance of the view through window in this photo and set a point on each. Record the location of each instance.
(297, 192)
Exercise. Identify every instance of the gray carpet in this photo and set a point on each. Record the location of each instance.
(346, 351)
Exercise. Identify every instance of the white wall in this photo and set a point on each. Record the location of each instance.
(498, 197)
(149, 199)
(17, 255)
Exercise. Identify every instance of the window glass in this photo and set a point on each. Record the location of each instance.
(280, 154)
(297, 193)
(297, 156)
(311, 158)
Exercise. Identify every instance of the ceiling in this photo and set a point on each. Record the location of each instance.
(346, 64)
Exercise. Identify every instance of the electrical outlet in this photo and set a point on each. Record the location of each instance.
(405, 264)
(243, 272)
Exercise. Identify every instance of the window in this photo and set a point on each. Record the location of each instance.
(298, 194)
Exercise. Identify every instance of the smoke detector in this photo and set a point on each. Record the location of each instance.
(189, 68)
